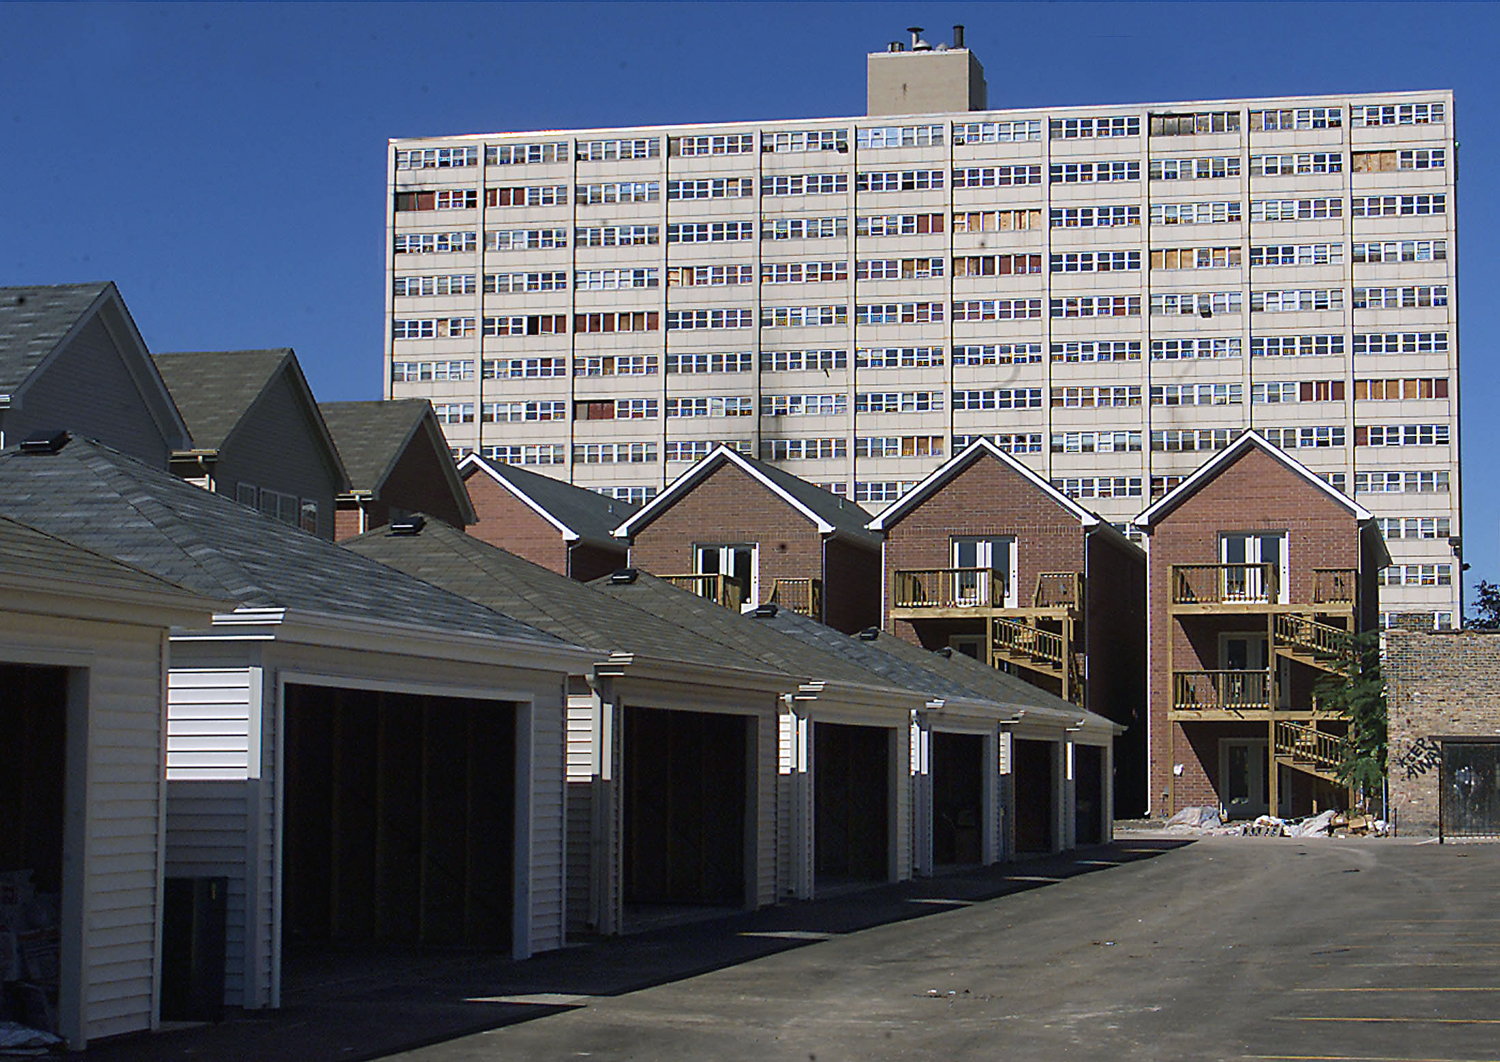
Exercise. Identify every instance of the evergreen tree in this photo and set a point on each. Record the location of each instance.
(1486, 614)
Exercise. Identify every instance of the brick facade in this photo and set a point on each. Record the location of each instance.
(511, 524)
(1444, 684)
(989, 498)
(1253, 492)
(729, 506)
(417, 483)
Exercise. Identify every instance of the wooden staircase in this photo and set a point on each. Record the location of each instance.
(1028, 646)
(1316, 644)
(1307, 749)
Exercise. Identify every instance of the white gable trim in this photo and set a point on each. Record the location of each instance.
(689, 479)
(1215, 464)
(475, 461)
(956, 464)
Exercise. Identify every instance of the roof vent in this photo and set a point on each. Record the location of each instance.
(45, 442)
(917, 43)
(869, 634)
(411, 525)
(623, 576)
(946, 652)
(766, 611)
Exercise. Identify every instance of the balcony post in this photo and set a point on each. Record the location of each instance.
(1273, 797)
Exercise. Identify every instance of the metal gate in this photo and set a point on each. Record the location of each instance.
(1469, 788)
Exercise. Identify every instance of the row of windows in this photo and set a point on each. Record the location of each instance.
(1161, 169)
(924, 268)
(1204, 213)
(1360, 116)
(1416, 575)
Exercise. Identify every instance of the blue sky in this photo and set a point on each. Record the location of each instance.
(225, 164)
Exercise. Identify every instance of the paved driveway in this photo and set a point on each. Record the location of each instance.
(1229, 948)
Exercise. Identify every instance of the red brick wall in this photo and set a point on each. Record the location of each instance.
(1114, 636)
(508, 522)
(1254, 493)
(419, 484)
(586, 563)
(345, 520)
(987, 498)
(727, 507)
(854, 573)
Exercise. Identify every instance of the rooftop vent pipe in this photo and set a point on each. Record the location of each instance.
(623, 576)
(917, 43)
(869, 634)
(410, 526)
(45, 442)
(766, 611)
(958, 35)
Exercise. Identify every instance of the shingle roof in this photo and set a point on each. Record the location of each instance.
(33, 320)
(588, 514)
(897, 670)
(106, 501)
(988, 681)
(448, 558)
(214, 388)
(27, 553)
(370, 436)
(835, 515)
(744, 634)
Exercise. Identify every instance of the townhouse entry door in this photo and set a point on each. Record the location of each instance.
(1244, 777)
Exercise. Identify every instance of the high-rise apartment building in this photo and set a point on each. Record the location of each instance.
(1110, 293)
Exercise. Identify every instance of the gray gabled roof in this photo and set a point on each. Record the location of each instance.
(371, 438)
(580, 515)
(446, 557)
(29, 555)
(831, 514)
(34, 320)
(108, 502)
(744, 634)
(214, 389)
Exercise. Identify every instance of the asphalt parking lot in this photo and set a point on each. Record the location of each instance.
(1226, 948)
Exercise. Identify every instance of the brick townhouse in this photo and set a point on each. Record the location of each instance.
(1258, 573)
(748, 533)
(986, 557)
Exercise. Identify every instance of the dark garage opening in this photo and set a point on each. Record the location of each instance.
(684, 794)
(399, 815)
(957, 798)
(1088, 794)
(33, 731)
(851, 803)
(1032, 769)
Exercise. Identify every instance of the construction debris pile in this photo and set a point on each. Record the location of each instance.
(1207, 821)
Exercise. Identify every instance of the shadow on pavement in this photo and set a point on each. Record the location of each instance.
(347, 1007)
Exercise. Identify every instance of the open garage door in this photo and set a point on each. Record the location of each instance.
(851, 803)
(1034, 796)
(957, 798)
(33, 730)
(399, 815)
(684, 803)
(1088, 794)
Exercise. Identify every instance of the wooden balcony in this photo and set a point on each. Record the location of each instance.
(1058, 590)
(944, 593)
(716, 586)
(1221, 691)
(802, 596)
(1223, 587)
(1335, 586)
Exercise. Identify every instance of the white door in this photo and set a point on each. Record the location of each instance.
(1244, 777)
(1247, 584)
(998, 554)
(1250, 651)
(738, 564)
